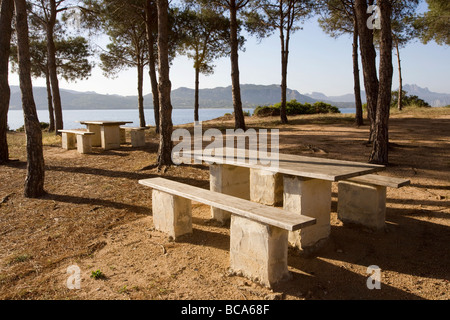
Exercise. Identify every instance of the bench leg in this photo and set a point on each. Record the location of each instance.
(68, 140)
(123, 136)
(266, 187)
(84, 144)
(96, 140)
(171, 214)
(312, 198)
(137, 138)
(231, 180)
(110, 136)
(258, 251)
(362, 204)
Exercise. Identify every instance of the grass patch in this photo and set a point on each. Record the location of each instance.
(20, 259)
(98, 275)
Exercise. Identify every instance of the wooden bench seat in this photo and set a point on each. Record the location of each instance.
(137, 135)
(362, 199)
(258, 233)
(81, 138)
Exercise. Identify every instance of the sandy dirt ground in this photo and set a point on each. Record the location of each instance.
(97, 217)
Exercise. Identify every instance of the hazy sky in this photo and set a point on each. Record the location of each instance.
(317, 63)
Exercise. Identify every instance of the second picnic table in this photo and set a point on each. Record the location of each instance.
(301, 184)
(106, 133)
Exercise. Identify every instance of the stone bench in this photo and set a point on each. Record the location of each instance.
(137, 135)
(362, 199)
(81, 138)
(258, 233)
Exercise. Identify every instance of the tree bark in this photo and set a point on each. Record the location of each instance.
(51, 56)
(368, 60)
(51, 114)
(284, 62)
(140, 87)
(34, 183)
(196, 95)
(239, 121)
(6, 14)
(152, 62)
(357, 86)
(165, 108)
(400, 80)
(380, 147)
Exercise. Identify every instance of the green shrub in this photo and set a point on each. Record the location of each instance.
(294, 107)
(44, 126)
(408, 100)
(266, 111)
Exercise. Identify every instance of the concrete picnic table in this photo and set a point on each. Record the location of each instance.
(301, 184)
(106, 133)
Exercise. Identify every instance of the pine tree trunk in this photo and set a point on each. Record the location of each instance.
(6, 14)
(140, 69)
(196, 95)
(51, 114)
(284, 62)
(380, 147)
(51, 56)
(152, 62)
(400, 80)
(368, 60)
(357, 86)
(34, 183)
(165, 109)
(239, 121)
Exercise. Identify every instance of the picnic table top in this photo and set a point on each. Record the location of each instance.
(296, 165)
(105, 122)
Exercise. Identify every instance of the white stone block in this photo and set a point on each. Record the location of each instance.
(231, 180)
(362, 204)
(110, 137)
(171, 214)
(68, 140)
(312, 198)
(123, 136)
(137, 138)
(84, 143)
(96, 139)
(266, 187)
(258, 251)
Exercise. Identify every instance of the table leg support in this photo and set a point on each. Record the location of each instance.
(266, 187)
(312, 198)
(110, 137)
(96, 140)
(231, 180)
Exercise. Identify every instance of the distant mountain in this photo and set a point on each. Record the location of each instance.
(251, 95)
(349, 98)
(73, 100)
(433, 98)
(221, 97)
